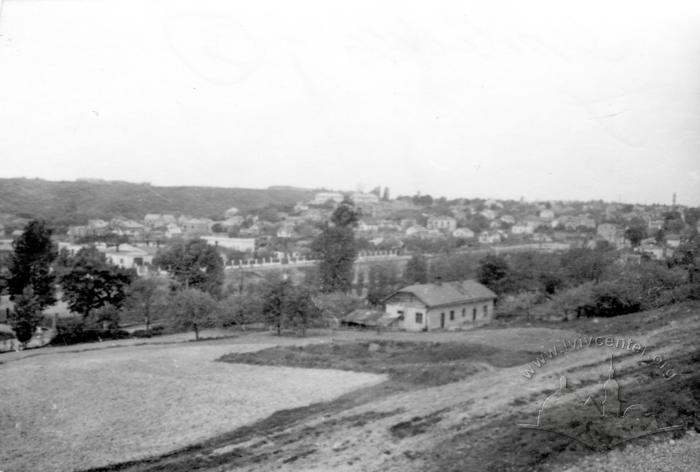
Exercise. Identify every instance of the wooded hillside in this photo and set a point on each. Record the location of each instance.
(75, 202)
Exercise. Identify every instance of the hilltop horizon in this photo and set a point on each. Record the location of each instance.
(279, 186)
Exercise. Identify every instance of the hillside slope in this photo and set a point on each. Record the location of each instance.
(75, 202)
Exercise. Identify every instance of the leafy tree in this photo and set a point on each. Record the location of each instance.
(336, 249)
(635, 233)
(450, 267)
(288, 305)
(147, 298)
(422, 200)
(584, 264)
(273, 305)
(334, 306)
(416, 271)
(660, 236)
(107, 317)
(194, 264)
(299, 308)
(382, 282)
(91, 282)
(26, 315)
(492, 271)
(192, 308)
(385, 195)
(673, 223)
(692, 216)
(30, 264)
(687, 255)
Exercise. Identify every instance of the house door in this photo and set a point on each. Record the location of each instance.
(442, 320)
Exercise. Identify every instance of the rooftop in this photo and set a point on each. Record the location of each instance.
(447, 293)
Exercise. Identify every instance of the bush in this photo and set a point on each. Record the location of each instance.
(520, 304)
(155, 331)
(75, 330)
(571, 303)
(615, 298)
(335, 305)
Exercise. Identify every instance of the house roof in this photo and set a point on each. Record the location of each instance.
(363, 316)
(447, 293)
(369, 317)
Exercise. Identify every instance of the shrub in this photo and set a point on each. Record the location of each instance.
(616, 298)
(335, 305)
(75, 330)
(157, 330)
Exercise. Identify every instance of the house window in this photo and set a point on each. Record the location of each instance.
(452, 315)
(400, 313)
(486, 310)
(464, 312)
(419, 318)
(473, 314)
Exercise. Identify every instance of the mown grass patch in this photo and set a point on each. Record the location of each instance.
(417, 363)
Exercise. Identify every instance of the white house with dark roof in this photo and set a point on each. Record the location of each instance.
(448, 305)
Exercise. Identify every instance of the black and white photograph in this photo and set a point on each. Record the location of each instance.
(323, 235)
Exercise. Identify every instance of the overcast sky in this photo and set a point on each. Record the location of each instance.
(474, 99)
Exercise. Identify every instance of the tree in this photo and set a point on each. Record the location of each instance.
(386, 195)
(584, 264)
(273, 302)
(146, 298)
(422, 200)
(416, 271)
(382, 282)
(26, 315)
(692, 216)
(107, 317)
(673, 222)
(192, 308)
(288, 305)
(299, 308)
(635, 233)
(492, 271)
(194, 264)
(238, 310)
(687, 255)
(91, 282)
(334, 306)
(336, 249)
(30, 264)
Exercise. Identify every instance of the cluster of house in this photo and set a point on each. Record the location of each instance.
(385, 223)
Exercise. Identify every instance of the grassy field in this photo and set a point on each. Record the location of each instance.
(416, 363)
(76, 410)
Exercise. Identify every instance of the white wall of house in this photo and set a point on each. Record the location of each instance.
(456, 316)
(408, 311)
(459, 315)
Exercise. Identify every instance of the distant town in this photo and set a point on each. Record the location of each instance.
(282, 234)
